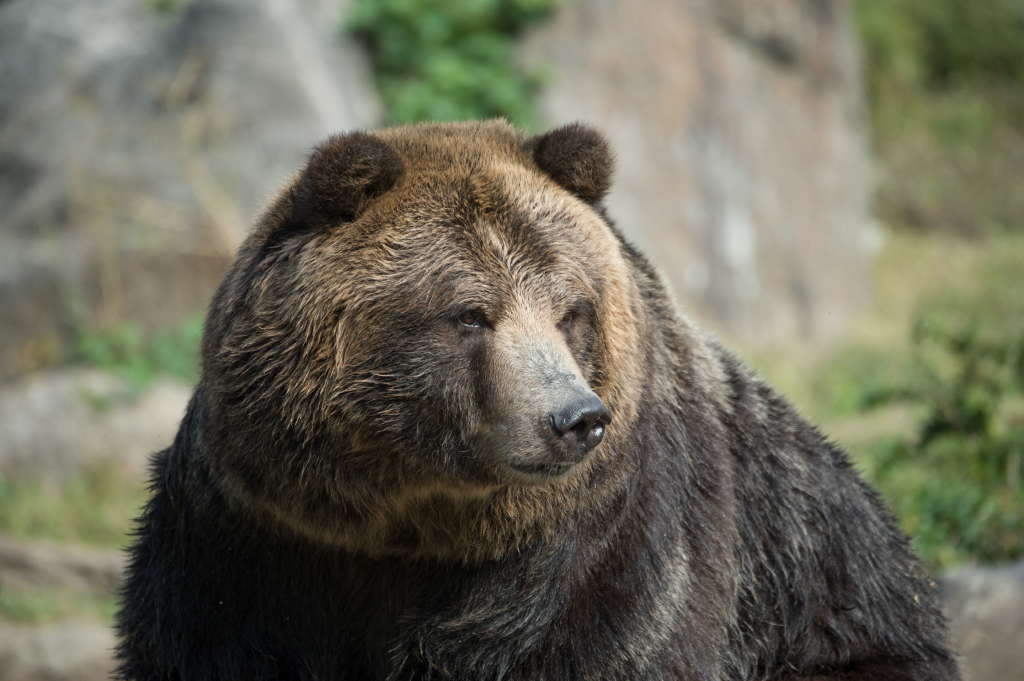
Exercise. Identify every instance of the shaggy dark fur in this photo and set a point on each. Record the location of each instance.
(342, 175)
(369, 482)
(577, 158)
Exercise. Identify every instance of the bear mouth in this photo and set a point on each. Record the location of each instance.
(551, 469)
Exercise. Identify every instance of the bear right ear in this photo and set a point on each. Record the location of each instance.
(343, 174)
(578, 158)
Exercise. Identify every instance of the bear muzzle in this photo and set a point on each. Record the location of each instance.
(548, 419)
(572, 426)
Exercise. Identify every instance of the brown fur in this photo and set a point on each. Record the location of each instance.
(369, 482)
(336, 294)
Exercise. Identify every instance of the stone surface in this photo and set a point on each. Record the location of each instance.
(136, 146)
(72, 651)
(53, 423)
(986, 609)
(69, 651)
(742, 159)
(59, 566)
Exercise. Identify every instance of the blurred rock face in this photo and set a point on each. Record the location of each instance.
(986, 609)
(740, 138)
(137, 144)
(55, 423)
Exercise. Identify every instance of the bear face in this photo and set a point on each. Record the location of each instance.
(432, 329)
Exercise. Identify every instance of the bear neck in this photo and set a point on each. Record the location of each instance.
(383, 519)
(422, 607)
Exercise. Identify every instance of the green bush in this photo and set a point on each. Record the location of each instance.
(940, 43)
(449, 59)
(125, 349)
(946, 84)
(958, 486)
(94, 507)
(35, 605)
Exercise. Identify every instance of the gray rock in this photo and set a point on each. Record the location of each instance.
(59, 566)
(740, 134)
(135, 147)
(72, 651)
(986, 609)
(51, 424)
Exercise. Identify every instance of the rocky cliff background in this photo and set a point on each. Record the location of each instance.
(138, 139)
(741, 135)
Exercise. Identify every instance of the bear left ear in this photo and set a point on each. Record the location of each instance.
(343, 174)
(578, 158)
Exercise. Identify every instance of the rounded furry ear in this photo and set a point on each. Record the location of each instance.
(578, 158)
(343, 174)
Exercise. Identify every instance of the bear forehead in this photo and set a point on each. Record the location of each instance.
(481, 167)
(455, 146)
(483, 260)
(485, 218)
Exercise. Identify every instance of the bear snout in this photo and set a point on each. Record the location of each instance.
(551, 420)
(572, 426)
(580, 424)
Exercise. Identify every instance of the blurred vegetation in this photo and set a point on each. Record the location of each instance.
(35, 605)
(927, 392)
(126, 350)
(94, 507)
(97, 505)
(946, 85)
(448, 60)
(958, 483)
(931, 394)
(165, 7)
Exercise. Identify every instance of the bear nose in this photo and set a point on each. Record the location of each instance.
(581, 424)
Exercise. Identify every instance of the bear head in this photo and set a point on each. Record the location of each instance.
(430, 344)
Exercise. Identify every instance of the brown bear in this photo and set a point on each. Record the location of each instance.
(450, 426)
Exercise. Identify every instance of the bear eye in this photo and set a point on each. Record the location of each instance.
(566, 321)
(473, 320)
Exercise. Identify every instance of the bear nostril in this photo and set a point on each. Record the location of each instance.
(582, 424)
(586, 434)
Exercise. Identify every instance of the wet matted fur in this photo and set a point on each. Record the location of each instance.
(370, 481)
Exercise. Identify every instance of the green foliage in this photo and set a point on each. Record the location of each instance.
(165, 8)
(38, 605)
(958, 486)
(841, 385)
(933, 411)
(126, 350)
(955, 477)
(938, 43)
(95, 507)
(946, 83)
(449, 59)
